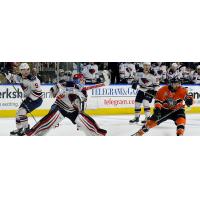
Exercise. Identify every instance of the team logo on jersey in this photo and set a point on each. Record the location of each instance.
(166, 94)
(128, 69)
(23, 86)
(144, 80)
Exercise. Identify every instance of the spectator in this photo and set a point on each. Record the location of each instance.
(127, 72)
(113, 67)
(36, 73)
(196, 76)
(173, 71)
(61, 76)
(90, 72)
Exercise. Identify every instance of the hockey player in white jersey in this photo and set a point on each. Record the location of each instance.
(196, 75)
(69, 96)
(148, 86)
(33, 96)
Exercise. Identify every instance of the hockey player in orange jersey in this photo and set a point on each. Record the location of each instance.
(170, 104)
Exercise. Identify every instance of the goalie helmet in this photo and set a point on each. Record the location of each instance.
(24, 66)
(79, 79)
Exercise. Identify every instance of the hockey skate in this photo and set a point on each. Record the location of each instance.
(134, 121)
(139, 133)
(16, 132)
(22, 133)
(145, 120)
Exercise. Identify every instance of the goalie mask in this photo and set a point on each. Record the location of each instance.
(79, 79)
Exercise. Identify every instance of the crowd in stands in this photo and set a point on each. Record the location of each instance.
(120, 72)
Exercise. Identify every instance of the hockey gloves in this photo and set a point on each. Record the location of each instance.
(134, 85)
(149, 95)
(188, 100)
(157, 114)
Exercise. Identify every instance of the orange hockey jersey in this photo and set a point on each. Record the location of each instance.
(165, 98)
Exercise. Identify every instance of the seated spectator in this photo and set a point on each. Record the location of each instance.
(196, 75)
(173, 71)
(61, 76)
(186, 73)
(36, 73)
(90, 72)
(127, 72)
(159, 71)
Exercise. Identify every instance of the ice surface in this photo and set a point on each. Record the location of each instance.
(117, 125)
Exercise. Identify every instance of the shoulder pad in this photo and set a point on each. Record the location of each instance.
(31, 77)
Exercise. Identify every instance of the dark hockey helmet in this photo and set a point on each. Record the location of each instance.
(175, 80)
(174, 83)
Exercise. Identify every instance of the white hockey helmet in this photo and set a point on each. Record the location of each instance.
(198, 67)
(147, 63)
(24, 66)
(175, 65)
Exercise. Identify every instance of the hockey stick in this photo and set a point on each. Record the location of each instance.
(94, 86)
(21, 99)
(157, 121)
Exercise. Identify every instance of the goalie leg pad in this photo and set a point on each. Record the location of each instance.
(89, 126)
(48, 122)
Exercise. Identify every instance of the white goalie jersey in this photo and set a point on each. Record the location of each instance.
(31, 85)
(68, 96)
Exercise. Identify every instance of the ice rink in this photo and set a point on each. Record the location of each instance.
(117, 125)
